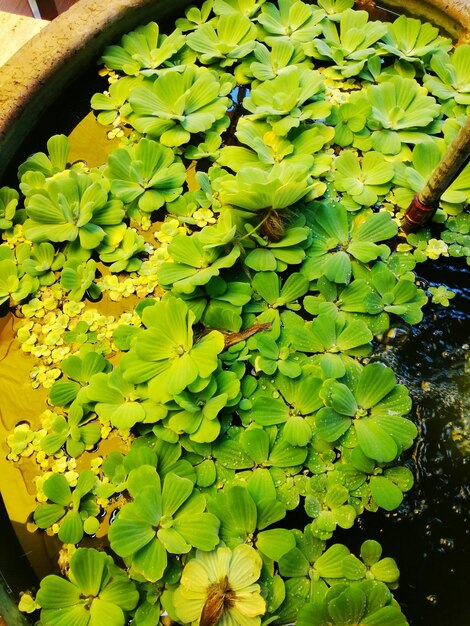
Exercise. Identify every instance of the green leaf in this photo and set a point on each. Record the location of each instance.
(330, 563)
(275, 543)
(330, 424)
(374, 441)
(348, 607)
(385, 493)
(376, 381)
(57, 489)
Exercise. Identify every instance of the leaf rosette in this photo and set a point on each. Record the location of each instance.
(347, 43)
(402, 112)
(193, 264)
(374, 409)
(196, 413)
(302, 145)
(223, 584)
(8, 204)
(166, 355)
(339, 239)
(72, 206)
(452, 76)
(71, 508)
(160, 519)
(232, 38)
(363, 179)
(413, 41)
(295, 96)
(145, 174)
(291, 19)
(143, 49)
(178, 105)
(96, 592)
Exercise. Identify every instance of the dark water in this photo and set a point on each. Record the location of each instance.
(429, 535)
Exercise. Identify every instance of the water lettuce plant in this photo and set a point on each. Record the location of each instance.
(166, 355)
(143, 49)
(96, 591)
(177, 104)
(72, 206)
(348, 43)
(161, 519)
(240, 241)
(146, 174)
(75, 510)
(402, 112)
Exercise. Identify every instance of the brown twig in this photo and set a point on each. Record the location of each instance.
(232, 338)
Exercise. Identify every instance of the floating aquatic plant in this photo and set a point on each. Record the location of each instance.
(143, 49)
(177, 105)
(293, 19)
(367, 602)
(266, 148)
(221, 587)
(113, 106)
(145, 174)
(232, 39)
(96, 592)
(402, 112)
(363, 179)
(77, 432)
(193, 264)
(196, 413)
(335, 241)
(293, 97)
(14, 283)
(374, 410)
(160, 519)
(410, 180)
(166, 355)
(452, 76)
(246, 389)
(347, 45)
(75, 510)
(267, 63)
(413, 41)
(72, 206)
(53, 162)
(8, 205)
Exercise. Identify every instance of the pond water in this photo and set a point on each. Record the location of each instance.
(429, 535)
